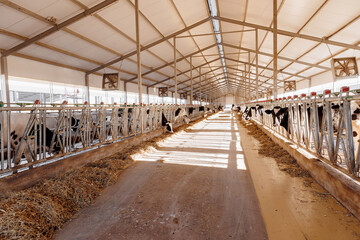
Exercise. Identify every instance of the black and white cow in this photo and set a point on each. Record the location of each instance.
(191, 110)
(253, 111)
(18, 126)
(280, 115)
(167, 124)
(181, 113)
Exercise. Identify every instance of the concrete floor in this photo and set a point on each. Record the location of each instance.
(207, 183)
(195, 186)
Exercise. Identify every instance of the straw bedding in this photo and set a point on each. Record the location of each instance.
(37, 212)
(268, 148)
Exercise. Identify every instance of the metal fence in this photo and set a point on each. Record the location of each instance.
(325, 125)
(35, 134)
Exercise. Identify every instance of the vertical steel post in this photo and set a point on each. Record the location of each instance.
(5, 93)
(191, 82)
(257, 64)
(200, 85)
(138, 54)
(148, 95)
(125, 90)
(175, 78)
(275, 47)
(249, 67)
(87, 88)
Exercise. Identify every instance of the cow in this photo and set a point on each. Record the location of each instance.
(191, 110)
(167, 124)
(280, 115)
(18, 126)
(181, 113)
(252, 111)
(201, 109)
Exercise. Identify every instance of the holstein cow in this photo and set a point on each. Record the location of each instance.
(253, 111)
(167, 124)
(191, 110)
(181, 113)
(18, 124)
(281, 115)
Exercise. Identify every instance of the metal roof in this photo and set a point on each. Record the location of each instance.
(310, 33)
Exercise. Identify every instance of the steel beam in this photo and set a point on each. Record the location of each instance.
(181, 73)
(275, 52)
(149, 45)
(267, 68)
(288, 33)
(257, 63)
(279, 57)
(172, 62)
(175, 77)
(191, 82)
(59, 27)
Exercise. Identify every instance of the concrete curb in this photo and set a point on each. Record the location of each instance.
(345, 189)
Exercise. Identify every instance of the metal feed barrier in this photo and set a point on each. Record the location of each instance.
(52, 132)
(332, 137)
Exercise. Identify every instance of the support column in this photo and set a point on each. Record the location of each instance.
(249, 68)
(5, 93)
(191, 82)
(275, 47)
(148, 95)
(175, 78)
(257, 64)
(138, 54)
(87, 88)
(125, 90)
(200, 85)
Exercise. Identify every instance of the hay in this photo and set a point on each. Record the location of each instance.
(37, 212)
(268, 148)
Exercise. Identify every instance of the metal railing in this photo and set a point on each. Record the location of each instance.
(322, 124)
(35, 134)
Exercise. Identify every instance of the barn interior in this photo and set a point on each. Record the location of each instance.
(179, 119)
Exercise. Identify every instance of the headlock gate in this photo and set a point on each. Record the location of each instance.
(327, 125)
(34, 134)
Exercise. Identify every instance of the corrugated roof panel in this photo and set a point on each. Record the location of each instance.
(332, 17)
(60, 10)
(47, 54)
(97, 31)
(297, 47)
(20, 23)
(189, 13)
(164, 50)
(294, 14)
(162, 14)
(232, 8)
(7, 42)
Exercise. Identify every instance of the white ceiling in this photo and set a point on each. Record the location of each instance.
(110, 33)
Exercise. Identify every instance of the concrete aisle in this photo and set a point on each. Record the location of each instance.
(196, 186)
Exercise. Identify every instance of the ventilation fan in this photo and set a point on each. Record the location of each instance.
(289, 86)
(110, 81)
(183, 95)
(344, 67)
(163, 91)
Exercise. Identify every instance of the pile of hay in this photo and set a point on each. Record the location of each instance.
(268, 148)
(37, 212)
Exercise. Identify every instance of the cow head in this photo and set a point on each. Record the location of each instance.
(167, 124)
(276, 113)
